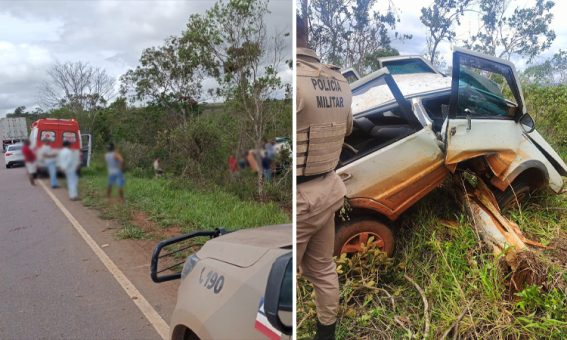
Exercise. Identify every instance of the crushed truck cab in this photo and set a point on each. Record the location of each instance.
(237, 284)
(413, 128)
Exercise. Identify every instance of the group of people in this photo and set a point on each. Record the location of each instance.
(256, 160)
(66, 160)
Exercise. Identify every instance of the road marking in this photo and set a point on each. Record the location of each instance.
(145, 307)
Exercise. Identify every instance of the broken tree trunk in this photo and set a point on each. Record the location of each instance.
(502, 235)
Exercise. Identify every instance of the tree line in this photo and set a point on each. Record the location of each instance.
(354, 33)
(160, 106)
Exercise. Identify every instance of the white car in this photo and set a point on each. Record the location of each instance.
(13, 155)
(412, 128)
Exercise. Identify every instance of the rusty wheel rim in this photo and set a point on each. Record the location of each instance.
(354, 243)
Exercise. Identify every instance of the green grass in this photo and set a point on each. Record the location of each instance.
(464, 284)
(130, 231)
(168, 203)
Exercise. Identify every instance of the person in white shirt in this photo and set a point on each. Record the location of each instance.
(48, 156)
(68, 161)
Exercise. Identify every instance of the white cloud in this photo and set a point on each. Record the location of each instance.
(108, 34)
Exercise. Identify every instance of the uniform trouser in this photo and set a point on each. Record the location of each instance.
(315, 243)
(52, 169)
(72, 183)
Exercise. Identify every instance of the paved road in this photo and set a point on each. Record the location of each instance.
(51, 283)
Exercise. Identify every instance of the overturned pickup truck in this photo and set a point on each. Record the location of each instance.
(412, 130)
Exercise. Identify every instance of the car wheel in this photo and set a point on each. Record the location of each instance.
(515, 194)
(352, 234)
(8, 166)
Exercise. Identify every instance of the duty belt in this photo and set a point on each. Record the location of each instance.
(303, 179)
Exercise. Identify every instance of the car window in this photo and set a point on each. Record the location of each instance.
(484, 89)
(49, 135)
(407, 66)
(14, 148)
(350, 76)
(70, 137)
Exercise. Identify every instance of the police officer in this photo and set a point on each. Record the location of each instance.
(324, 118)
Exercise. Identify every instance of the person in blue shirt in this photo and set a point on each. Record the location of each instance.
(115, 166)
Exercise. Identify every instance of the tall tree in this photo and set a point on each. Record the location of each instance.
(523, 31)
(352, 33)
(78, 87)
(166, 78)
(550, 71)
(245, 60)
(440, 19)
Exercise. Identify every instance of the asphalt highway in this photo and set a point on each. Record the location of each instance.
(52, 285)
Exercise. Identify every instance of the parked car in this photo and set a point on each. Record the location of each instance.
(237, 285)
(411, 130)
(13, 155)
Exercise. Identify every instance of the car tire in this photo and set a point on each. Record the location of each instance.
(515, 194)
(350, 234)
(7, 166)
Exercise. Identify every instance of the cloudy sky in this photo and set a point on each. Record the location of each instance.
(410, 11)
(107, 34)
(112, 35)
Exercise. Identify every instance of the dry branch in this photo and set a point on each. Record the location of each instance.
(425, 305)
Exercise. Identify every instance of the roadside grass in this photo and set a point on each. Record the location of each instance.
(463, 284)
(169, 204)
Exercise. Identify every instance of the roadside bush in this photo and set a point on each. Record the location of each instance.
(548, 106)
(136, 156)
(195, 150)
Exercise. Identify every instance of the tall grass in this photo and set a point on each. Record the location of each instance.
(463, 283)
(168, 202)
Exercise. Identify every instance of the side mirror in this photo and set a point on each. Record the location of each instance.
(527, 123)
(278, 300)
(172, 274)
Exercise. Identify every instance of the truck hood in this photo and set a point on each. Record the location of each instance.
(245, 247)
(548, 152)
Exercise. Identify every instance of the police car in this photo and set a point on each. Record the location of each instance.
(238, 285)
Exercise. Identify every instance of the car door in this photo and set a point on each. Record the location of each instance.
(392, 178)
(486, 105)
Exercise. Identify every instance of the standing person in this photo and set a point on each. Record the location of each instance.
(232, 164)
(68, 161)
(48, 156)
(270, 149)
(30, 160)
(114, 166)
(252, 163)
(158, 171)
(267, 167)
(320, 192)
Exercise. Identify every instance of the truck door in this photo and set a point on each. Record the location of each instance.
(86, 150)
(486, 105)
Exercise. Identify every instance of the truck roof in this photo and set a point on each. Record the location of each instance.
(56, 121)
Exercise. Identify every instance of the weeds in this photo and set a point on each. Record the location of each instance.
(169, 203)
(465, 286)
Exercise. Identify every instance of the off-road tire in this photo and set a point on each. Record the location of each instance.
(518, 192)
(348, 230)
